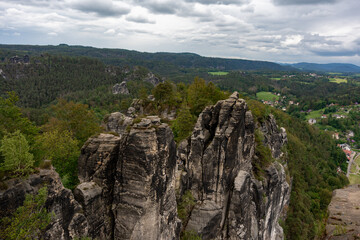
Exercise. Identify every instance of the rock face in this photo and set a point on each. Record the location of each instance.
(128, 180)
(344, 214)
(151, 78)
(120, 88)
(69, 220)
(117, 123)
(231, 203)
(127, 185)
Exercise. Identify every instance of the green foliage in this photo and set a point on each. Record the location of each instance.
(201, 95)
(11, 118)
(30, 220)
(190, 235)
(164, 94)
(185, 206)
(75, 118)
(63, 151)
(263, 155)
(15, 150)
(183, 124)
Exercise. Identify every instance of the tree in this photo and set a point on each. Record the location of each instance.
(184, 123)
(201, 94)
(75, 118)
(164, 93)
(15, 149)
(11, 118)
(63, 151)
(29, 220)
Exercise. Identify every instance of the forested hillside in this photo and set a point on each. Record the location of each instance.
(161, 63)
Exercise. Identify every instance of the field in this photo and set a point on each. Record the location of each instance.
(354, 179)
(338, 80)
(315, 114)
(267, 96)
(218, 73)
(275, 78)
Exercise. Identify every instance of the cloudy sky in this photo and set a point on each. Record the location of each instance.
(274, 30)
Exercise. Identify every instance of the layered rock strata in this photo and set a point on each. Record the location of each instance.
(68, 221)
(127, 185)
(231, 202)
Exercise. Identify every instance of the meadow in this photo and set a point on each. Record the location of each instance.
(267, 96)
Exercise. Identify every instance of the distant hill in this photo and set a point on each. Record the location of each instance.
(161, 62)
(330, 67)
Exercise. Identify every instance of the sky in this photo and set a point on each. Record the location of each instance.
(287, 31)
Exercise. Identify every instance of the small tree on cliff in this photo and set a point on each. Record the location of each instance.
(15, 150)
(30, 220)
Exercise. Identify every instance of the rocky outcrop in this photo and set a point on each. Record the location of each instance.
(344, 214)
(128, 180)
(231, 203)
(117, 123)
(274, 137)
(69, 221)
(151, 78)
(120, 88)
(127, 185)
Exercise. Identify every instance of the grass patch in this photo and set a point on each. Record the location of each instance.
(267, 96)
(354, 179)
(275, 78)
(357, 160)
(353, 168)
(338, 80)
(315, 114)
(334, 73)
(218, 73)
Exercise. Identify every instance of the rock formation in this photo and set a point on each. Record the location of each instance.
(127, 184)
(69, 220)
(151, 78)
(127, 180)
(344, 214)
(231, 202)
(120, 88)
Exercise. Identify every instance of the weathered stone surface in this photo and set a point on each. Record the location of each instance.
(344, 214)
(128, 179)
(231, 203)
(120, 88)
(117, 123)
(68, 222)
(127, 185)
(274, 138)
(151, 78)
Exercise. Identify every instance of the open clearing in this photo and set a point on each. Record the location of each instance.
(338, 80)
(354, 179)
(267, 96)
(315, 114)
(218, 73)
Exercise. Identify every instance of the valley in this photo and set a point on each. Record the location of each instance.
(249, 164)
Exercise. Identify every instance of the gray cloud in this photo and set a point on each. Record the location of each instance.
(302, 2)
(139, 19)
(220, 2)
(102, 8)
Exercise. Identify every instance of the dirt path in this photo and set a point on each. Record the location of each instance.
(352, 157)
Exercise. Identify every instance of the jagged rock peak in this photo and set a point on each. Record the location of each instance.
(218, 158)
(120, 88)
(127, 187)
